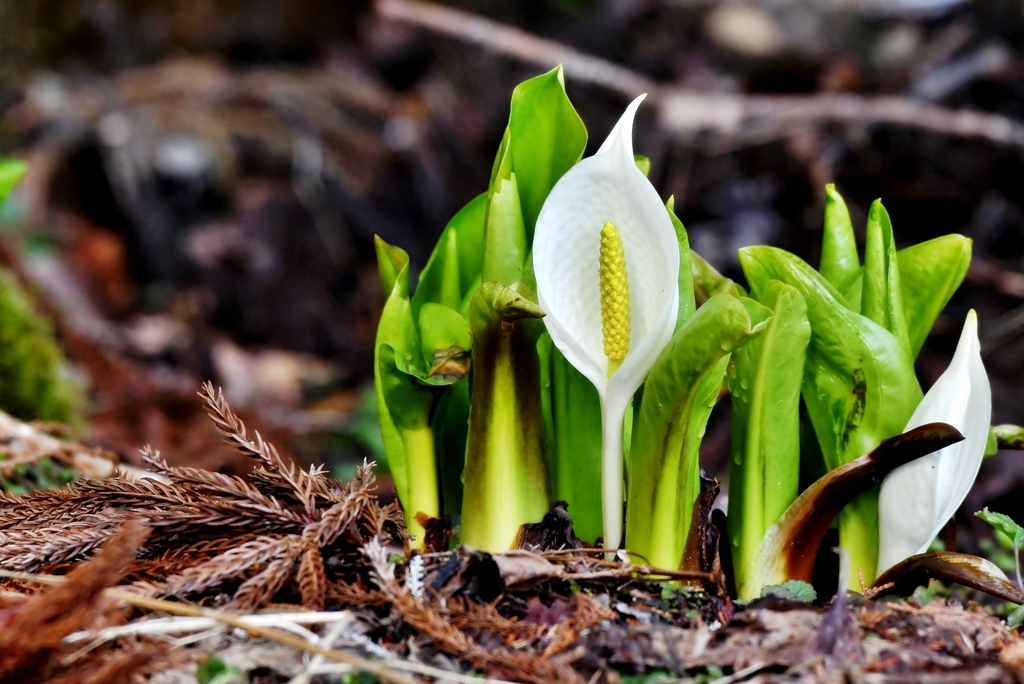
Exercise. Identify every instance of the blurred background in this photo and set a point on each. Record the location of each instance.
(206, 178)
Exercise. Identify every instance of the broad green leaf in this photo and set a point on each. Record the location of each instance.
(440, 282)
(839, 262)
(1004, 524)
(573, 437)
(450, 424)
(403, 403)
(505, 476)
(445, 343)
(409, 361)
(859, 384)
(679, 394)
(707, 282)
(882, 297)
(791, 590)
(764, 382)
(930, 272)
(454, 267)
(1008, 436)
(11, 171)
(991, 444)
(643, 163)
(687, 302)
(546, 137)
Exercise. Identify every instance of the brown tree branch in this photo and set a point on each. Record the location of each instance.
(686, 112)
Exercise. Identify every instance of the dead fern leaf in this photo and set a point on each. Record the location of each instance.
(31, 632)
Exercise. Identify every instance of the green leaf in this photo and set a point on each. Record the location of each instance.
(453, 269)
(882, 296)
(573, 437)
(930, 272)
(764, 382)
(707, 282)
(859, 384)
(403, 401)
(449, 424)
(11, 171)
(687, 301)
(1004, 524)
(445, 342)
(679, 393)
(505, 241)
(643, 163)
(792, 590)
(991, 444)
(1008, 436)
(839, 262)
(215, 671)
(546, 137)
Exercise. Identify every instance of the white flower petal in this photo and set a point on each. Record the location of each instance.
(918, 499)
(606, 187)
(566, 249)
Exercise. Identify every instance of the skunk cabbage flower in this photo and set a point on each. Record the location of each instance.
(606, 259)
(918, 499)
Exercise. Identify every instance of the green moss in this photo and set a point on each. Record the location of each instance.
(34, 379)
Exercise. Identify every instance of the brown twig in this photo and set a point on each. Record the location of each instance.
(686, 112)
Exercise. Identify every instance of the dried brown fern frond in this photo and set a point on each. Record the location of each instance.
(278, 475)
(209, 531)
(32, 634)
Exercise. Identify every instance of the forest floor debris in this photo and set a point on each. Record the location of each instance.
(290, 575)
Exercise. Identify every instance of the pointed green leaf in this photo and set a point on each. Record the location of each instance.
(882, 296)
(573, 437)
(404, 404)
(390, 262)
(707, 282)
(11, 171)
(505, 242)
(679, 394)
(764, 383)
(546, 137)
(839, 262)
(687, 302)
(930, 272)
(643, 163)
(1004, 524)
(859, 384)
(454, 267)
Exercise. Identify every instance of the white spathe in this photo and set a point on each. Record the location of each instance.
(917, 499)
(566, 247)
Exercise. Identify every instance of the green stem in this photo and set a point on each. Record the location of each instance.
(858, 535)
(423, 500)
(505, 476)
